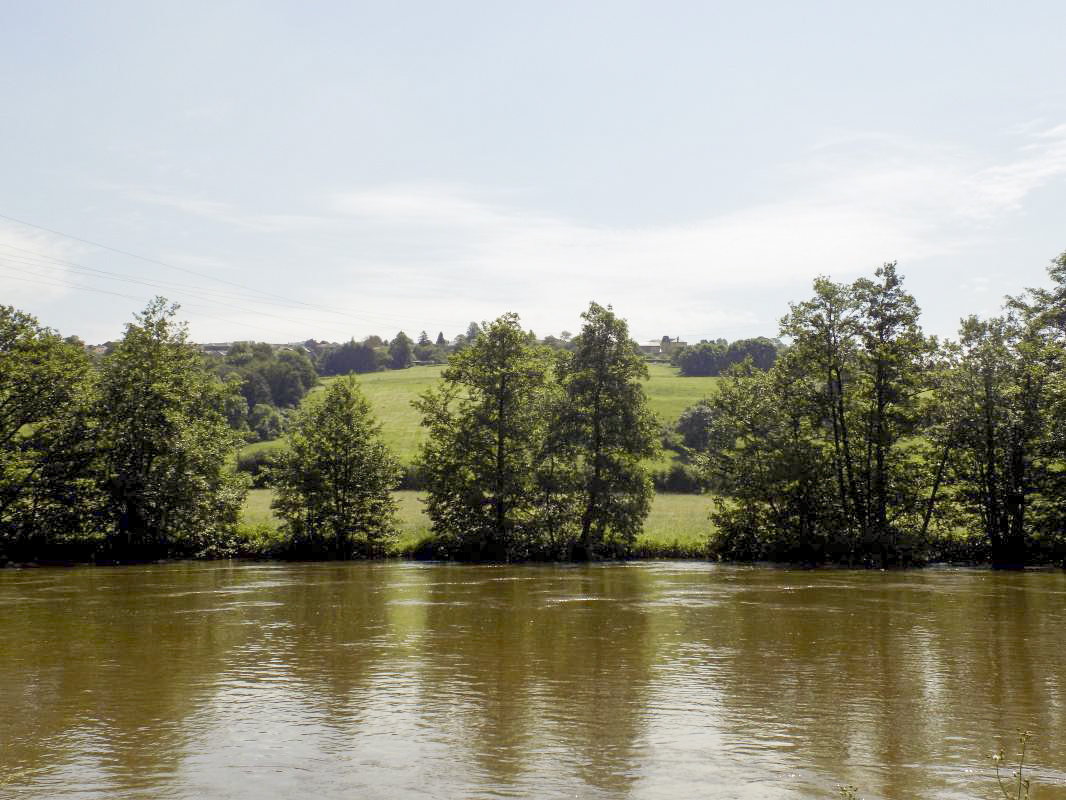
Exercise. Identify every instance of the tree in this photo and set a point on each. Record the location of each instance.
(760, 350)
(423, 338)
(833, 467)
(441, 341)
(767, 455)
(400, 351)
(694, 425)
(894, 375)
(266, 422)
(487, 423)
(705, 358)
(164, 444)
(714, 358)
(351, 357)
(1002, 406)
(46, 438)
(606, 429)
(270, 377)
(862, 343)
(334, 481)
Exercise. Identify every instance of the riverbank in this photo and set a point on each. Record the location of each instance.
(677, 527)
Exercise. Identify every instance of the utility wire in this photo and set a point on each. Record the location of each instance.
(291, 302)
(77, 287)
(286, 302)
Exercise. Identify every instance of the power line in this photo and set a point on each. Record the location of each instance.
(151, 260)
(151, 285)
(367, 320)
(78, 287)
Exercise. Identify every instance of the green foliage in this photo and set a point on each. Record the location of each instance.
(602, 430)
(46, 439)
(333, 481)
(817, 454)
(715, 358)
(1000, 419)
(351, 357)
(535, 453)
(679, 478)
(164, 445)
(695, 424)
(400, 351)
(257, 464)
(266, 422)
(487, 425)
(269, 377)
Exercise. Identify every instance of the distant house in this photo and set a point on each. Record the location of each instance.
(651, 348)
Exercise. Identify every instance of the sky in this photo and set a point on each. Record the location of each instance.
(300, 170)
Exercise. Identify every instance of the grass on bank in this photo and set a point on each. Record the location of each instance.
(677, 526)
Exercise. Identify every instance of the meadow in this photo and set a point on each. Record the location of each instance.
(390, 394)
(676, 526)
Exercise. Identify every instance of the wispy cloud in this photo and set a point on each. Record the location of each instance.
(31, 265)
(444, 254)
(853, 205)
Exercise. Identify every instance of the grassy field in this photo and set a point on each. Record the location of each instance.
(677, 525)
(669, 393)
(390, 394)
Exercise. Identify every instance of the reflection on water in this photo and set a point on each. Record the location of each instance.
(641, 681)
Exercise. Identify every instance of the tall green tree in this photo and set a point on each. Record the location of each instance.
(334, 481)
(164, 444)
(766, 453)
(487, 423)
(862, 346)
(400, 351)
(990, 401)
(894, 359)
(351, 357)
(46, 439)
(606, 429)
(1003, 406)
(840, 460)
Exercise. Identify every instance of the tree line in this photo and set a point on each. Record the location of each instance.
(534, 451)
(868, 442)
(864, 442)
(714, 358)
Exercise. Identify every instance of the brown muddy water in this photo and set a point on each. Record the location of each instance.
(650, 680)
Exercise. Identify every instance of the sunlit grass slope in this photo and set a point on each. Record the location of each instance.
(390, 394)
(669, 393)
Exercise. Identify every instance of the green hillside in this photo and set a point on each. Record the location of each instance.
(677, 524)
(390, 394)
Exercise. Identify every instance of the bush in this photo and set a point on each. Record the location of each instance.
(413, 478)
(266, 421)
(679, 478)
(257, 465)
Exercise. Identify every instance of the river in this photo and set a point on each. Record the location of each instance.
(648, 680)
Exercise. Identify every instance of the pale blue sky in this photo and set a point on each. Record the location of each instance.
(372, 167)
